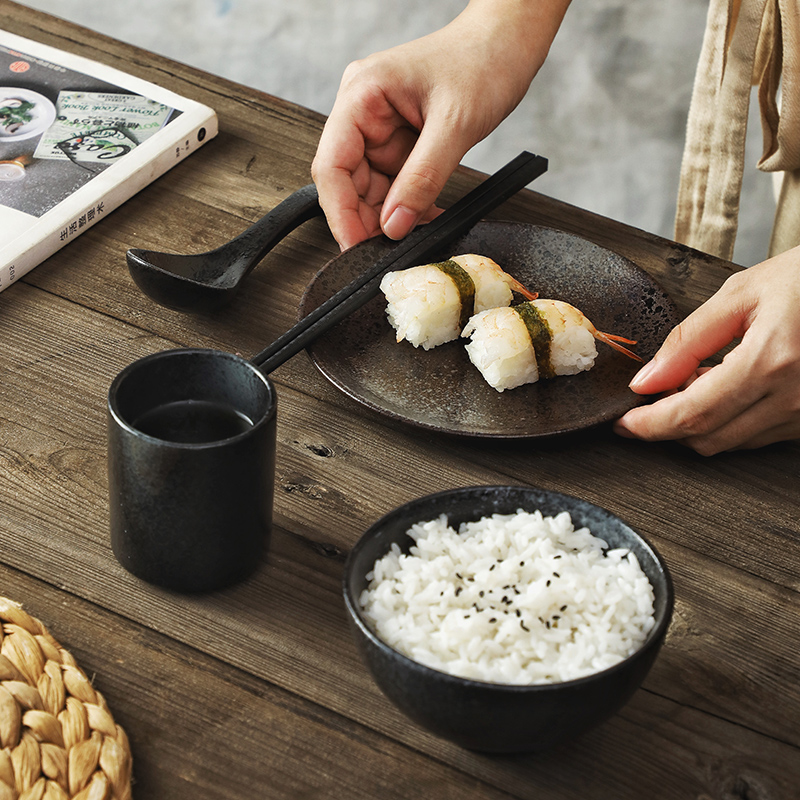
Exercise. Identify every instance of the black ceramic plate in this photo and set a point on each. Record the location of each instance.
(441, 390)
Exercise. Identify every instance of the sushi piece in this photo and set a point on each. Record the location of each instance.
(519, 344)
(501, 348)
(430, 304)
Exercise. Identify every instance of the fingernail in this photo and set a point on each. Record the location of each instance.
(400, 222)
(641, 376)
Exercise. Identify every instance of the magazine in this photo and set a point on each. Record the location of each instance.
(77, 139)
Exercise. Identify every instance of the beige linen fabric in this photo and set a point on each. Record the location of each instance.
(746, 43)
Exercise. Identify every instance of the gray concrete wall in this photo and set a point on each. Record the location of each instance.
(608, 109)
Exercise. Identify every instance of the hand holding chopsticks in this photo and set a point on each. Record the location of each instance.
(445, 229)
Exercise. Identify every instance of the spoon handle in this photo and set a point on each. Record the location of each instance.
(439, 233)
(254, 243)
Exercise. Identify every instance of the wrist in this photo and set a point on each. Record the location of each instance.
(519, 32)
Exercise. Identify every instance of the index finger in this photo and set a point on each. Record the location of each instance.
(713, 401)
(708, 329)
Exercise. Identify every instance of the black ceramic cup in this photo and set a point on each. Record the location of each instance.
(191, 467)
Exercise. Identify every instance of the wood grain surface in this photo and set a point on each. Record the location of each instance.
(258, 691)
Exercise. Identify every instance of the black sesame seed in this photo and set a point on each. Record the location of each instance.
(480, 593)
(557, 556)
(459, 577)
(524, 626)
(458, 590)
(522, 563)
(556, 575)
(492, 567)
(547, 624)
(555, 616)
(493, 619)
(519, 613)
(548, 583)
(563, 608)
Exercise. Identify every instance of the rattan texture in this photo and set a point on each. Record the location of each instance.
(59, 740)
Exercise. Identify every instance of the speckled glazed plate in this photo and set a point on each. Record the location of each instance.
(440, 390)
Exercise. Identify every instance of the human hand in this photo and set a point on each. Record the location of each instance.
(749, 400)
(404, 118)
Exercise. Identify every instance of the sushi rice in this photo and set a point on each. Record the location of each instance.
(424, 303)
(502, 349)
(515, 599)
(471, 296)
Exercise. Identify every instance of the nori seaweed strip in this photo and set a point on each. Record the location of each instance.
(465, 286)
(541, 337)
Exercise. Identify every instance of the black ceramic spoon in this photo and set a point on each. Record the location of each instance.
(207, 281)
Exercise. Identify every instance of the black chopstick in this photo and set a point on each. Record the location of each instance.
(409, 252)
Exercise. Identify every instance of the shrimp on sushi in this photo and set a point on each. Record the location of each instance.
(430, 304)
(516, 345)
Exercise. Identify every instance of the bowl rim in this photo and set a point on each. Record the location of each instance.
(656, 634)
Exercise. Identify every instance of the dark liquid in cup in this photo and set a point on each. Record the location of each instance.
(192, 422)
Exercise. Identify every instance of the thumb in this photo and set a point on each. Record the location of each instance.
(420, 181)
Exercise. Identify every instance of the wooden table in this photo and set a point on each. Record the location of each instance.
(258, 691)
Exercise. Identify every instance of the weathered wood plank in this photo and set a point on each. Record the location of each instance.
(202, 731)
(670, 749)
(320, 461)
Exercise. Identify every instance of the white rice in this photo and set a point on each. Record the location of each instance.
(514, 599)
(572, 350)
(423, 305)
(501, 348)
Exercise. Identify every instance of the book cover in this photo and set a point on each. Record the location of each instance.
(77, 139)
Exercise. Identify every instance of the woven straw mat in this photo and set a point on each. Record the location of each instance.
(58, 739)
